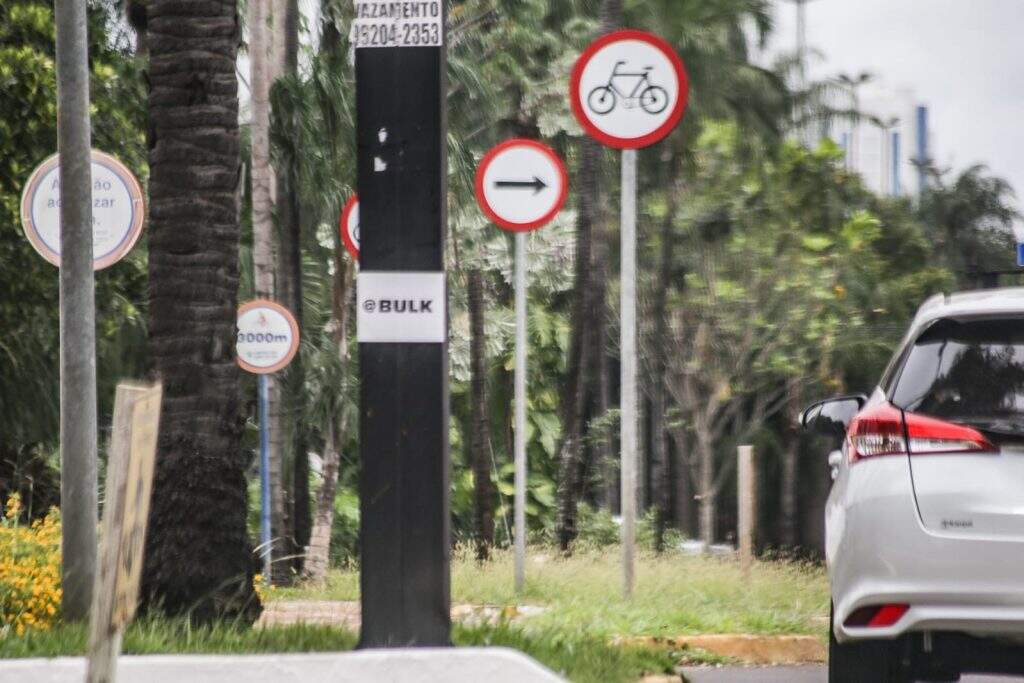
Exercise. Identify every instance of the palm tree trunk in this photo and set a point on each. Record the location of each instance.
(599, 389)
(612, 487)
(199, 558)
(573, 396)
(708, 494)
(661, 474)
(263, 190)
(290, 281)
(319, 548)
(789, 482)
(483, 488)
(683, 492)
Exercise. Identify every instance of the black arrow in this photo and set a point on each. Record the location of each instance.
(537, 184)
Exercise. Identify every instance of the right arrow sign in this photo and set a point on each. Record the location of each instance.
(521, 185)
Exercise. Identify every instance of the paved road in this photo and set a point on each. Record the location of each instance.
(792, 674)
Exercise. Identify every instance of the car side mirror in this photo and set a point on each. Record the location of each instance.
(832, 416)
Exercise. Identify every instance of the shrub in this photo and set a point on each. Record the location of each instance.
(29, 570)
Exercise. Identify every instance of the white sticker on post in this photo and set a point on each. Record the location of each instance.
(397, 23)
(397, 307)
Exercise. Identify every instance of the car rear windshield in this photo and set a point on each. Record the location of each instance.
(969, 371)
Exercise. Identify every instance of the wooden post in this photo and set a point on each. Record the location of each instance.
(746, 499)
(125, 513)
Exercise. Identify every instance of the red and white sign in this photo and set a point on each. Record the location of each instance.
(629, 89)
(268, 337)
(521, 185)
(117, 210)
(348, 226)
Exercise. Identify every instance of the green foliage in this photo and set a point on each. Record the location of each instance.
(969, 220)
(345, 531)
(28, 284)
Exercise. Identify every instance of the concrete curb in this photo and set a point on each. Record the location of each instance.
(429, 665)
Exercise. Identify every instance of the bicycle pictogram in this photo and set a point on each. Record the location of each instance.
(651, 98)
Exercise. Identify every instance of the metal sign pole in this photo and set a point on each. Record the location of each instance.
(77, 315)
(520, 414)
(521, 185)
(629, 365)
(593, 96)
(265, 539)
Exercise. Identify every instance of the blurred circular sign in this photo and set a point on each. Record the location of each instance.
(118, 210)
(521, 185)
(348, 226)
(629, 89)
(268, 337)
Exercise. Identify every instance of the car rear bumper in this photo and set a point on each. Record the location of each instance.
(880, 553)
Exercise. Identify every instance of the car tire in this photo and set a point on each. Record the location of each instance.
(864, 661)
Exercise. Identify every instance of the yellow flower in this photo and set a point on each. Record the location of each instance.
(29, 570)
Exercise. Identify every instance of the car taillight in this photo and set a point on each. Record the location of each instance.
(887, 430)
(928, 435)
(877, 431)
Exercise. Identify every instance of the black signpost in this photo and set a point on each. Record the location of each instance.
(404, 533)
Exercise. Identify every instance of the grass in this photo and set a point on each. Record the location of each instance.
(580, 658)
(162, 636)
(675, 594)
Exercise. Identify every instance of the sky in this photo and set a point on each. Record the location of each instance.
(963, 58)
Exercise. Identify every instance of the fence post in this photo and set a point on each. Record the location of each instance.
(746, 500)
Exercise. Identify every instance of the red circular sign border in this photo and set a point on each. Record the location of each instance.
(664, 129)
(346, 211)
(481, 198)
(267, 303)
(134, 191)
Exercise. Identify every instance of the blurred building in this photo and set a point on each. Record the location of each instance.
(886, 142)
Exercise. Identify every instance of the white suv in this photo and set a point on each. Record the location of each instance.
(925, 520)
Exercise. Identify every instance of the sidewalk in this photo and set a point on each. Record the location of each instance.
(428, 665)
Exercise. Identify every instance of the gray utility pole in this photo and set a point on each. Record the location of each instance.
(77, 315)
(629, 365)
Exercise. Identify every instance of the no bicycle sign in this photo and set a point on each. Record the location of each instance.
(629, 89)
(117, 210)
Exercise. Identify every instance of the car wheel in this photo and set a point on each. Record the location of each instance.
(864, 661)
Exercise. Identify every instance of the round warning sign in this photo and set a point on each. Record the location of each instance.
(117, 210)
(629, 89)
(521, 185)
(348, 226)
(268, 337)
